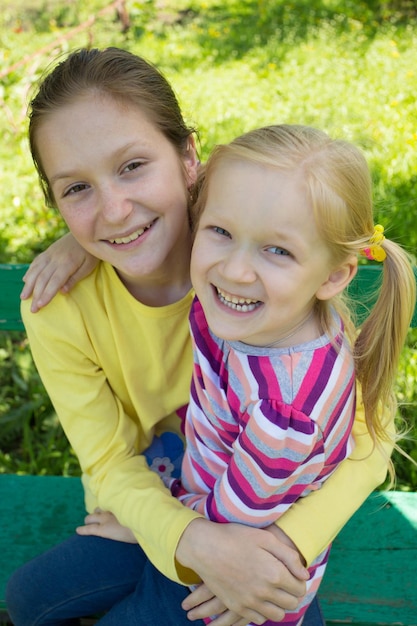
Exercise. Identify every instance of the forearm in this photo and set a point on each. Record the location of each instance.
(137, 497)
(106, 439)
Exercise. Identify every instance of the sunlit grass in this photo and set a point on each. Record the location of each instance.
(347, 67)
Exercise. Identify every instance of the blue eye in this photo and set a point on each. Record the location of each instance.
(279, 251)
(221, 231)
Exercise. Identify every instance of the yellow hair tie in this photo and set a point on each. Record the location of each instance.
(374, 251)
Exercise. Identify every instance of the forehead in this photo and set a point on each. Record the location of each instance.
(95, 125)
(253, 184)
(96, 107)
(260, 202)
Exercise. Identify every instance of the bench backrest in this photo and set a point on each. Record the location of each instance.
(11, 285)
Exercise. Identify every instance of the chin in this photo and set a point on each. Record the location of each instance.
(226, 335)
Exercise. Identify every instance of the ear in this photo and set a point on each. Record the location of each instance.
(338, 279)
(191, 162)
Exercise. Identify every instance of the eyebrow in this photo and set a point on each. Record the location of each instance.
(117, 153)
(61, 176)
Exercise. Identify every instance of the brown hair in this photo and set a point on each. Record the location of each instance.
(114, 72)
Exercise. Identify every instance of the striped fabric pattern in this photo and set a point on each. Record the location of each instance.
(265, 427)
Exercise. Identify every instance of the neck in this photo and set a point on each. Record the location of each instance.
(293, 332)
(156, 295)
(169, 282)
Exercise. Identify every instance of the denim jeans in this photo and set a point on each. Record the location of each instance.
(313, 615)
(88, 576)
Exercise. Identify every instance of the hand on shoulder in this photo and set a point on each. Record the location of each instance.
(57, 269)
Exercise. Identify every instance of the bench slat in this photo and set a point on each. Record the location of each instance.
(371, 577)
(11, 285)
(37, 512)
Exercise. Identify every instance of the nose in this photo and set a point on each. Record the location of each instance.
(239, 266)
(114, 205)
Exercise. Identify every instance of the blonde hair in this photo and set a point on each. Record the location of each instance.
(338, 183)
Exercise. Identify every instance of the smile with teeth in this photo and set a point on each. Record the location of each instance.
(135, 235)
(243, 305)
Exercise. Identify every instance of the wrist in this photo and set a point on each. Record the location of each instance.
(187, 552)
(285, 539)
(188, 555)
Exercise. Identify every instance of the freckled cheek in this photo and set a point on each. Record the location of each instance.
(67, 217)
(80, 224)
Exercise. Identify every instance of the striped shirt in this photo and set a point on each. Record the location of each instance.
(265, 426)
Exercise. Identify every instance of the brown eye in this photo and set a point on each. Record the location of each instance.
(133, 166)
(76, 189)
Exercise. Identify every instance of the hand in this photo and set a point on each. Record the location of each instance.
(207, 604)
(59, 268)
(104, 524)
(256, 576)
(282, 537)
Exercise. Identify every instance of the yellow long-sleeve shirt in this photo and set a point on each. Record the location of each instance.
(117, 371)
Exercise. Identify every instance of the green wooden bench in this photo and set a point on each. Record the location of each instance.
(371, 575)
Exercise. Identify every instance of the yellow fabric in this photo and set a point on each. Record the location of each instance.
(313, 522)
(116, 372)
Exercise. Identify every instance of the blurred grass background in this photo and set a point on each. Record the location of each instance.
(348, 67)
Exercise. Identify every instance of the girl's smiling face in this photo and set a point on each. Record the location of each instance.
(258, 262)
(120, 185)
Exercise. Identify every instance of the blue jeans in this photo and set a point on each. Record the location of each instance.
(88, 576)
(313, 615)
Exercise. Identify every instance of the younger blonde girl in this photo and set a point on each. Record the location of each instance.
(282, 215)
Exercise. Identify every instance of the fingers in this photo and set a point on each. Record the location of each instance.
(208, 609)
(224, 617)
(201, 604)
(98, 517)
(228, 618)
(86, 267)
(93, 524)
(242, 567)
(264, 611)
(89, 530)
(205, 604)
(104, 524)
(43, 282)
(292, 561)
(197, 597)
(241, 622)
(286, 584)
(59, 268)
(286, 553)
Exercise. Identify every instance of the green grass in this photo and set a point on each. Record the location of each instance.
(347, 67)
